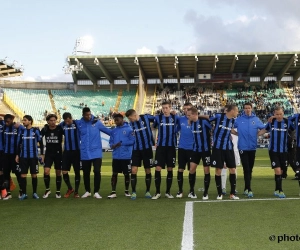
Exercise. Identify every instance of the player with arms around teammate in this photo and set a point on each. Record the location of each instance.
(200, 128)
(142, 150)
(247, 126)
(71, 154)
(10, 133)
(185, 147)
(27, 156)
(222, 151)
(121, 141)
(91, 150)
(53, 136)
(168, 126)
(278, 129)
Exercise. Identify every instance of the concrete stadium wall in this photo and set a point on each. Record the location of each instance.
(36, 85)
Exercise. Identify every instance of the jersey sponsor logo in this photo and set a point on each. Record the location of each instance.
(280, 129)
(68, 128)
(166, 124)
(223, 127)
(197, 131)
(140, 129)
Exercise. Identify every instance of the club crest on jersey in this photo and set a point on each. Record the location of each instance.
(142, 122)
(253, 122)
(73, 125)
(199, 126)
(124, 132)
(171, 120)
(15, 131)
(285, 125)
(52, 134)
(241, 152)
(1, 126)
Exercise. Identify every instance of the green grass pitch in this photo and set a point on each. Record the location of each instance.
(146, 224)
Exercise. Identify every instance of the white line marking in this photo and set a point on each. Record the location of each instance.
(187, 242)
(266, 199)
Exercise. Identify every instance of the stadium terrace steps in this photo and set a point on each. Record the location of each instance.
(4, 109)
(127, 100)
(99, 102)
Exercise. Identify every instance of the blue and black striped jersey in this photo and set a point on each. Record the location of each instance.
(71, 136)
(201, 132)
(11, 138)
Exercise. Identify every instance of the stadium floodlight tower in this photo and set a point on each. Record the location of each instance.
(83, 45)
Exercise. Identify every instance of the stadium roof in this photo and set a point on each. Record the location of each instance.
(9, 70)
(113, 67)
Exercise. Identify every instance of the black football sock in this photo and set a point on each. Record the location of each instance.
(232, 179)
(18, 176)
(180, 181)
(278, 183)
(1, 182)
(218, 184)
(58, 183)
(192, 180)
(77, 180)
(67, 180)
(114, 180)
(127, 182)
(157, 180)
(34, 182)
(206, 184)
(23, 183)
(148, 178)
(169, 181)
(47, 181)
(133, 182)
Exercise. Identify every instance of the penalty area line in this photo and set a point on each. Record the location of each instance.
(248, 200)
(187, 242)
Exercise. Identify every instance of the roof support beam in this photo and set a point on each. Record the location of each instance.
(176, 65)
(11, 74)
(88, 74)
(296, 75)
(251, 65)
(233, 64)
(267, 69)
(216, 59)
(159, 70)
(104, 71)
(285, 68)
(141, 70)
(124, 73)
(196, 68)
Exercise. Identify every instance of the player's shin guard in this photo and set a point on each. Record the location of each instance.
(180, 181)
(192, 180)
(47, 181)
(34, 182)
(97, 180)
(77, 180)
(23, 182)
(148, 178)
(232, 179)
(114, 180)
(127, 181)
(169, 181)
(206, 184)
(278, 181)
(157, 181)
(58, 183)
(67, 181)
(218, 184)
(133, 182)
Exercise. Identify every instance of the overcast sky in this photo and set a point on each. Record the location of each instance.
(41, 34)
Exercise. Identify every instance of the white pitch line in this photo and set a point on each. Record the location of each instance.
(187, 242)
(266, 199)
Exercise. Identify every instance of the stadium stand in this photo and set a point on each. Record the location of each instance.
(127, 100)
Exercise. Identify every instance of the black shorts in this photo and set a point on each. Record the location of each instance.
(71, 157)
(55, 158)
(121, 166)
(145, 156)
(9, 163)
(220, 156)
(184, 158)
(29, 163)
(165, 155)
(205, 156)
(1, 160)
(278, 160)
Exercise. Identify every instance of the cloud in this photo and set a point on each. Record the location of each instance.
(162, 50)
(144, 51)
(271, 27)
(51, 78)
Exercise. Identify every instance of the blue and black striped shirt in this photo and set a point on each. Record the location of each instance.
(143, 133)
(1, 135)
(71, 136)
(222, 131)
(28, 140)
(167, 126)
(278, 134)
(201, 132)
(11, 139)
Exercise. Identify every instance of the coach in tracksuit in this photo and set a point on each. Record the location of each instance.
(121, 141)
(247, 126)
(91, 150)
